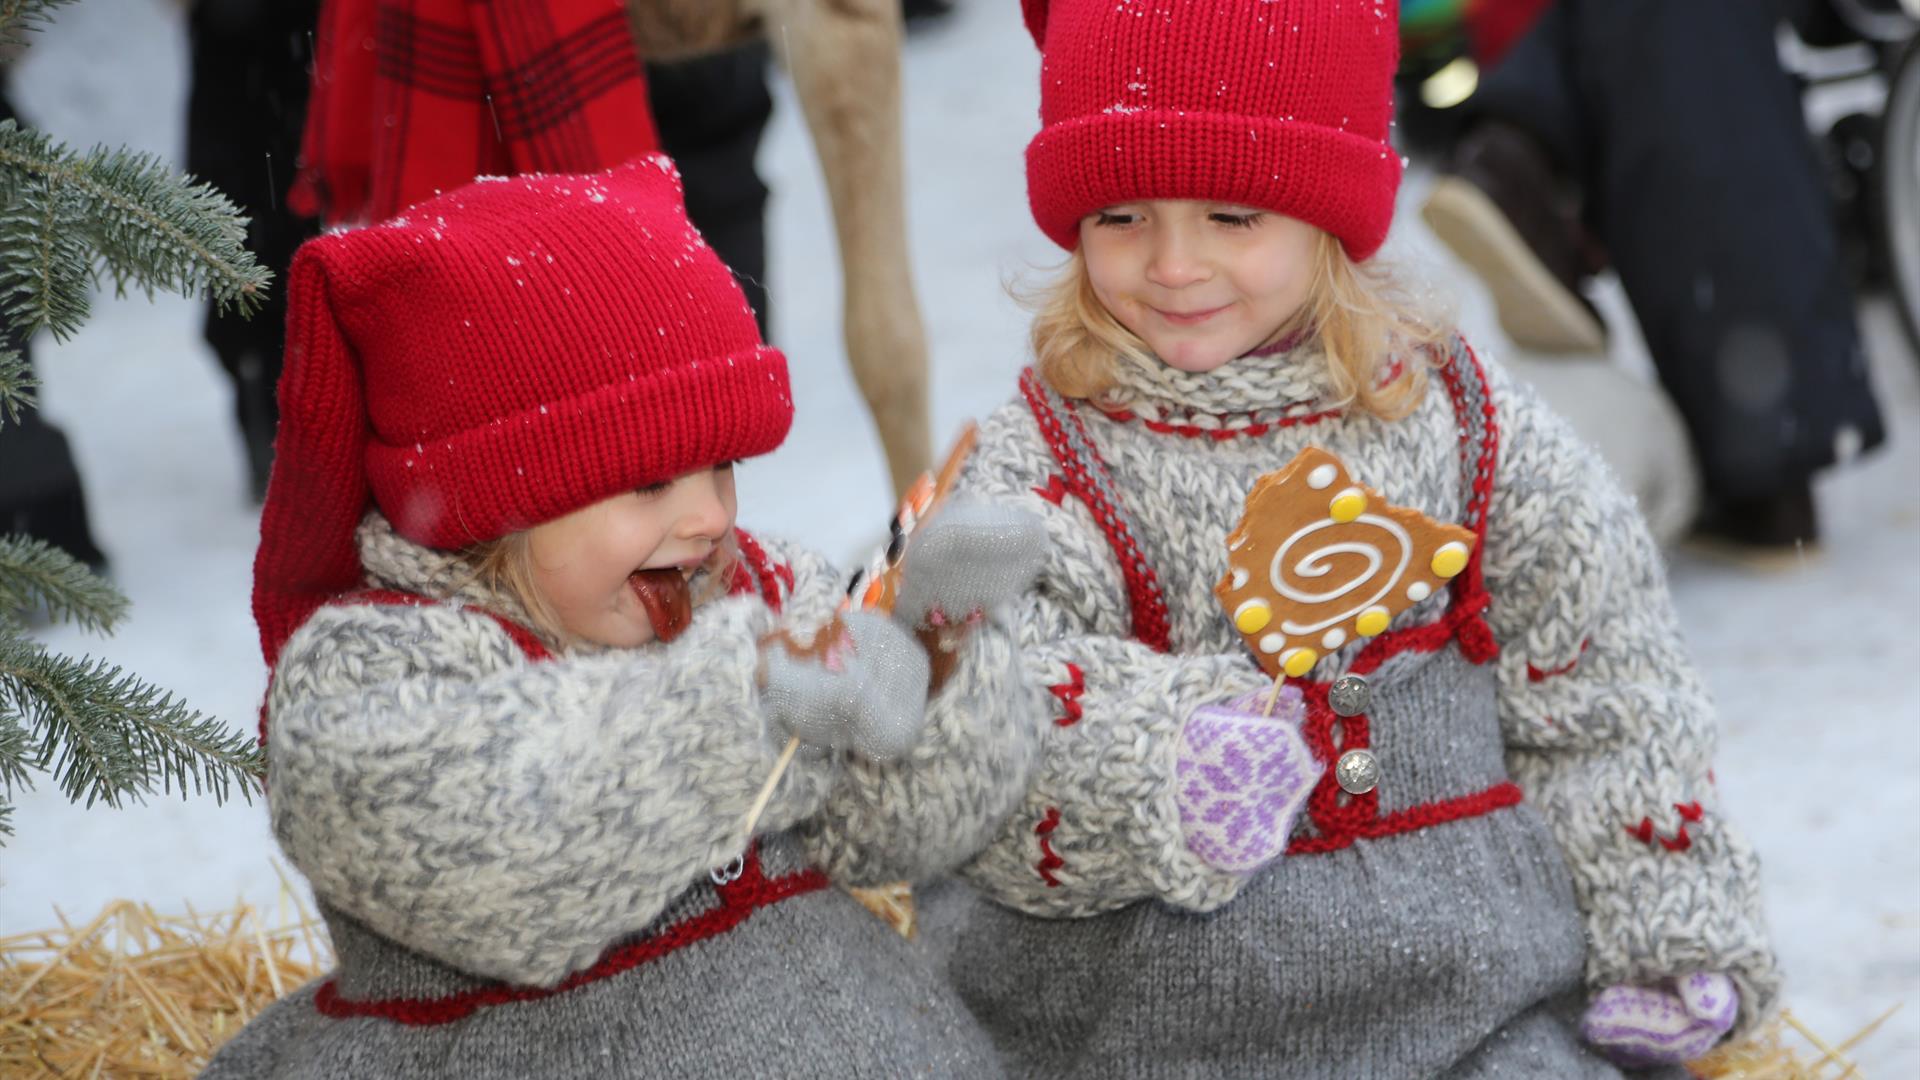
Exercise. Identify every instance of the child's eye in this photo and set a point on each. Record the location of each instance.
(1114, 220)
(1236, 221)
(653, 489)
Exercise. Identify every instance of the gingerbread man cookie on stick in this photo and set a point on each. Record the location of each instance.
(1319, 560)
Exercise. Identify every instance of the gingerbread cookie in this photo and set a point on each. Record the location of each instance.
(1318, 560)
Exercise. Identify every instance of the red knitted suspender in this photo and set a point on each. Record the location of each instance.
(739, 899)
(1145, 603)
(1339, 818)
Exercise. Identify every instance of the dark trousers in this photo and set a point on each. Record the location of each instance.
(246, 107)
(711, 112)
(1700, 178)
(40, 492)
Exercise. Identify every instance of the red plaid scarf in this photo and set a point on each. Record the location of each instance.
(416, 96)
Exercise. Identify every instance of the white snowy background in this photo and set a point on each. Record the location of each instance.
(1816, 669)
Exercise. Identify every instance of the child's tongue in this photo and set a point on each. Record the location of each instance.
(667, 598)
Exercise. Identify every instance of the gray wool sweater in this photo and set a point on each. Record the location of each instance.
(481, 827)
(1462, 948)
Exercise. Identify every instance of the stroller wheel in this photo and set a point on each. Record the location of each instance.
(1899, 189)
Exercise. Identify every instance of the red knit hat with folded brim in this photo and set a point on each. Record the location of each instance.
(1283, 105)
(496, 357)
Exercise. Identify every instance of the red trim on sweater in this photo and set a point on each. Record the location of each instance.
(1055, 490)
(1190, 431)
(1050, 860)
(739, 899)
(1535, 674)
(1069, 695)
(1145, 603)
(767, 573)
(1414, 818)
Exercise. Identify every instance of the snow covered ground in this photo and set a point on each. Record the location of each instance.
(1817, 669)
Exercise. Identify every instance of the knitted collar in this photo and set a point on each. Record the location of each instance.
(394, 562)
(1281, 381)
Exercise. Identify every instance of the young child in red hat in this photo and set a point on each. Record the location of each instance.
(528, 677)
(1511, 858)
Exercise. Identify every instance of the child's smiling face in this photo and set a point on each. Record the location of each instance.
(583, 564)
(1201, 283)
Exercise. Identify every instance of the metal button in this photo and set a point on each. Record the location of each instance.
(1349, 695)
(1357, 772)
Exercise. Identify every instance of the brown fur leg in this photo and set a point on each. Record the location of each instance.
(844, 56)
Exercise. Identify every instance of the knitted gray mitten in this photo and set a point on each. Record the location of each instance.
(972, 556)
(861, 686)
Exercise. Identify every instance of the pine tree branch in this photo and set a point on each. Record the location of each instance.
(16, 757)
(107, 737)
(151, 228)
(16, 387)
(37, 574)
(20, 17)
(47, 283)
(16, 754)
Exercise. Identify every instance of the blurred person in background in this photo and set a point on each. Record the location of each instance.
(40, 492)
(246, 106)
(1664, 140)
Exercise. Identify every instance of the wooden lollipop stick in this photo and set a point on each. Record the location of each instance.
(942, 485)
(773, 781)
(1273, 698)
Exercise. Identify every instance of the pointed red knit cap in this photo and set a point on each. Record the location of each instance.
(499, 356)
(1279, 104)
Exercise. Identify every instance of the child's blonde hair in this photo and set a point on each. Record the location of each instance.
(1358, 315)
(504, 567)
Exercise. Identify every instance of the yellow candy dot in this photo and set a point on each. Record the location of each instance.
(1347, 505)
(1298, 662)
(1450, 559)
(1253, 616)
(1372, 621)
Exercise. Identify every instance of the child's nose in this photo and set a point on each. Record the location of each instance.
(1176, 259)
(703, 508)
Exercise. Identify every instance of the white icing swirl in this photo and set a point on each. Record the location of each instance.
(1317, 563)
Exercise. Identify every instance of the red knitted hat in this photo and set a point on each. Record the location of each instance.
(501, 355)
(1281, 104)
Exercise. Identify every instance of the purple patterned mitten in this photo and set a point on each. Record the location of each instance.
(1242, 778)
(1642, 1026)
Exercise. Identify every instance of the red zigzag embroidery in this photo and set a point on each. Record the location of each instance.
(1050, 860)
(1069, 694)
(1680, 840)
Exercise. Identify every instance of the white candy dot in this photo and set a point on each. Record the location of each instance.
(1239, 577)
(1334, 638)
(1419, 591)
(1321, 477)
(1272, 643)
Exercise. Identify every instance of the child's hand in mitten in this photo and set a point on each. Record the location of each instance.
(969, 558)
(1642, 1026)
(860, 685)
(1242, 778)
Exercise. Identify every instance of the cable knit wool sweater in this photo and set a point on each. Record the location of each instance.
(483, 828)
(1380, 948)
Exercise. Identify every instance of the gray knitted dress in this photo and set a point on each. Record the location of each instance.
(1543, 824)
(535, 866)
